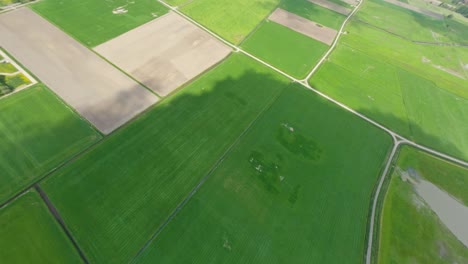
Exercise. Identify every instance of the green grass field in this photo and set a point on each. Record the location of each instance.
(7, 68)
(288, 192)
(93, 22)
(292, 52)
(29, 234)
(314, 12)
(37, 133)
(399, 84)
(9, 2)
(177, 2)
(232, 20)
(412, 25)
(424, 239)
(115, 197)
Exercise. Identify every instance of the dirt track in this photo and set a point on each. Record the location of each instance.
(303, 26)
(93, 87)
(332, 6)
(164, 53)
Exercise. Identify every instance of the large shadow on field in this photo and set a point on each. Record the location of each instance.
(169, 149)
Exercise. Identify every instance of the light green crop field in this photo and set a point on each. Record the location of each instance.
(29, 234)
(285, 49)
(116, 196)
(37, 133)
(232, 20)
(177, 2)
(424, 239)
(416, 90)
(288, 192)
(94, 22)
(7, 68)
(314, 12)
(338, 2)
(9, 2)
(412, 25)
(443, 65)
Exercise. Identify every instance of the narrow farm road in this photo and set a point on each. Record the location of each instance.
(306, 85)
(396, 144)
(397, 139)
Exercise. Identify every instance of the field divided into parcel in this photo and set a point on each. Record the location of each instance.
(149, 167)
(416, 90)
(29, 234)
(94, 22)
(37, 133)
(238, 165)
(287, 193)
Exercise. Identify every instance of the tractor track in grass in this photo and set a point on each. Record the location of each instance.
(205, 178)
(442, 44)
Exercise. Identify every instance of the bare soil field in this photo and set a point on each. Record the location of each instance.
(332, 6)
(164, 53)
(351, 2)
(303, 26)
(97, 90)
(416, 9)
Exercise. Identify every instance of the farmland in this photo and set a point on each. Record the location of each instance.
(424, 239)
(286, 49)
(181, 139)
(29, 234)
(280, 195)
(313, 12)
(101, 93)
(232, 20)
(27, 153)
(176, 52)
(94, 22)
(411, 25)
(416, 90)
(197, 132)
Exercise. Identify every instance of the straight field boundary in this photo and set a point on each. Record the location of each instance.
(332, 6)
(60, 221)
(411, 40)
(398, 139)
(209, 173)
(306, 85)
(303, 26)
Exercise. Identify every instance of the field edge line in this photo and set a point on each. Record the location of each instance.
(209, 173)
(377, 194)
(53, 210)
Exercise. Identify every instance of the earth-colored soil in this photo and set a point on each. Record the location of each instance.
(331, 6)
(164, 53)
(351, 2)
(303, 26)
(416, 9)
(98, 91)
